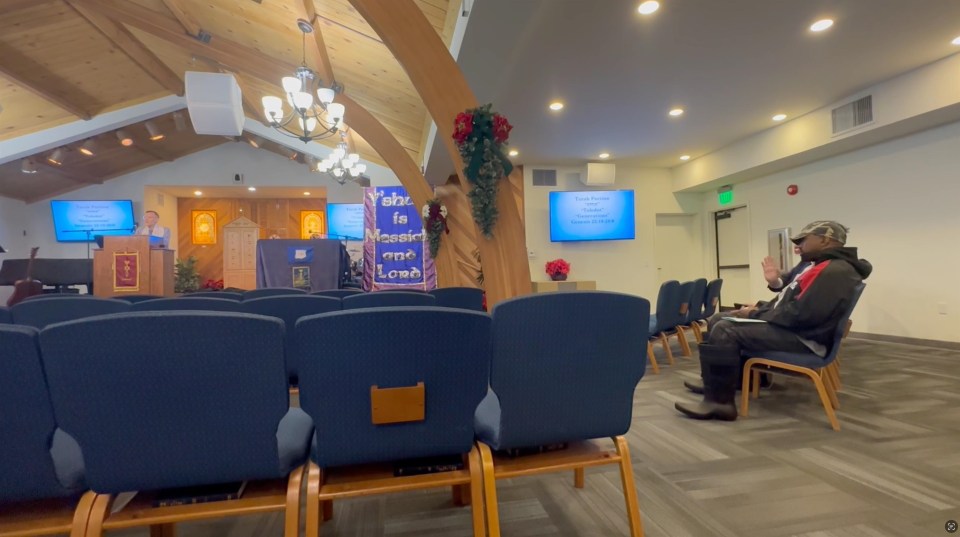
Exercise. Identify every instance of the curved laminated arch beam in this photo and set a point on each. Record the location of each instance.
(445, 92)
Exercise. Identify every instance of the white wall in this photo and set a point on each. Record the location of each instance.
(899, 199)
(213, 167)
(623, 266)
(12, 214)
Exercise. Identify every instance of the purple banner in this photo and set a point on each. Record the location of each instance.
(395, 250)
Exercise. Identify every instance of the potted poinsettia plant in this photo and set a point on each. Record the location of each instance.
(558, 270)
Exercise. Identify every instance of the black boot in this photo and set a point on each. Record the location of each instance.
(720, 367)
(695, 386)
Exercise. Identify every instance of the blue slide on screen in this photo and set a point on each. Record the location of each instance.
(346, 220)
(79, 221)
(595, 215)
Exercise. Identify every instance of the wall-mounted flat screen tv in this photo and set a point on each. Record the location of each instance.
(346, 221)
(80, 220)
(592, 215)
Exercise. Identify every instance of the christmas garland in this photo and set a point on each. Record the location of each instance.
(481, 137)
(435, 222)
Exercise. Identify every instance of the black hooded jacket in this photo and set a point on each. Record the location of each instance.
(811, 306)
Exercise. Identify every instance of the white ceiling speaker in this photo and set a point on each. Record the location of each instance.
(599, 174)
(214, 103)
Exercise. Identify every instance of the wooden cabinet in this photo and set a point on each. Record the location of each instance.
(240, 253)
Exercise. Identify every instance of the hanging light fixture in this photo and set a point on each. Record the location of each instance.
(341, 165)
(155, 134)
(316, 118)
(56, 158)
(89, 148)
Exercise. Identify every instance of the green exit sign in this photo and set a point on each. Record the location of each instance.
(725, 197)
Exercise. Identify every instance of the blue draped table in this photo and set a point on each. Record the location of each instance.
(276, 261)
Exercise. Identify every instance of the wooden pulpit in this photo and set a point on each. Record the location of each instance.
(129, 266)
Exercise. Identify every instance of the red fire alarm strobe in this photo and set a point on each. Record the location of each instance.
(792, 190)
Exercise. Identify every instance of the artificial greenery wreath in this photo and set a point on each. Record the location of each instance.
(481, 137)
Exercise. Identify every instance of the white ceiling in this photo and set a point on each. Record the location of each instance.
(732, 64)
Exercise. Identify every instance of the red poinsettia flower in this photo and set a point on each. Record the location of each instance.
(462, 127)
(557, 266)
(501, 129)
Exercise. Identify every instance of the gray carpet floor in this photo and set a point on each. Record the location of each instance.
(892, 471)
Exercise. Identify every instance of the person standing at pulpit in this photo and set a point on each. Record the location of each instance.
(152, 227)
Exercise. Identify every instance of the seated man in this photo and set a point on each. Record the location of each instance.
(803, 318)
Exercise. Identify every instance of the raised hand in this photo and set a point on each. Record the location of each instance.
(770, 271)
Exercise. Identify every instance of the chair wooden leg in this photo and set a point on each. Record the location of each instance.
(578, 478)
(98, 513)
(652, 358)
(833, 370)
(81, 515)
(314, 478)
(666, 347)
(831, 389)
(697, 332)
(824, 399)
(475, 490)
(489, 490)
(461, 495)
(745, 390)
(291, 514)
(629, 488)
(164, 530)
(682, 339)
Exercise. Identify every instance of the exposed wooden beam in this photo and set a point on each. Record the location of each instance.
(67, 173)
(132, 47)
(189, 24)
(37, 79)
(309, 12)
(147, 148)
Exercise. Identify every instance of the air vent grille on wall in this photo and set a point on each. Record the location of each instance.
(852, 115)
(544, 177)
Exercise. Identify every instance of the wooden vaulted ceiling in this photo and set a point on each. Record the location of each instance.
(61, 60)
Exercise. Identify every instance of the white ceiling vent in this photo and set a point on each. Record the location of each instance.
(852, 115)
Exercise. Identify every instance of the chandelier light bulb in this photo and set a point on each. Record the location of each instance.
(291, 84)
(325, 96)
(354, 172)
(335, 111)
(354, 157)
(302, 100)
(338, 172)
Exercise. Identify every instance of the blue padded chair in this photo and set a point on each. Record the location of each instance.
(187, 304)
(467, 298)
(683, 314)
(225, 295)
(56, 295)
(382, 299)
(666, 317)
(711, 301)
(561, 377)
(289, 308)
(204, 399)
(338, 293)
(804, 363)
(695, 312)
(37, 459)
(136, 298)
(272, 291)
(40, 313)
(345, 367)
(5, 317)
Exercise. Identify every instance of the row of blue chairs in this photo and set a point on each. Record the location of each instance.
(681, 306)
(146, 401)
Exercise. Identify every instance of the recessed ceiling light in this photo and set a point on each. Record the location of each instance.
(603, 155)
(821, 25)
(684, 157)
(513, 153)
(956, 40)
(197, 193)
(779, 117)
(252, 188)
(556, 106)
(89, 148)
(124, 137)
(28, 166)
(676, 112)
(648, 7)
(306, 193)
(56, 158)
(155, 134)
